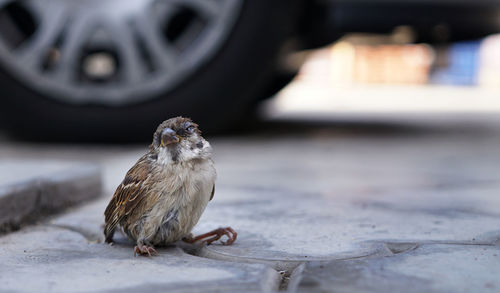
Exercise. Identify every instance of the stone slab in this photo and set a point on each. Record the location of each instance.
(427, 268)
(339, 163)
(87, 219)
(283, 226)
(293, 212)
(308, 198)
(50, 259)
(32, 189)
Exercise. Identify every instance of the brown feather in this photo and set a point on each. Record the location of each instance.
(127, 196)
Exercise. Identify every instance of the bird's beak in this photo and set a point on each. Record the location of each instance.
(168, 136)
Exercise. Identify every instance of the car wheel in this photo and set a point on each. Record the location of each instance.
(111, 70)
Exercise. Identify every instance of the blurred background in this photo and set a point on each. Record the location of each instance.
(368, 77)
(112, 70)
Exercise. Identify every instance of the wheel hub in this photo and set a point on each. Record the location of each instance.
(110, 52)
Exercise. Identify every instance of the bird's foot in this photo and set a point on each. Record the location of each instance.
(144, 250)
(214, 235)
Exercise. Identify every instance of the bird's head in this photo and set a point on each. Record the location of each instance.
(179, 139)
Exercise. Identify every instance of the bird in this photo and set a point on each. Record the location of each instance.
(164, 194)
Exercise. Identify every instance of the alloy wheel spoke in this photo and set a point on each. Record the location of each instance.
(34, 51)
(162, 53)
(76, 33)
(128, 52)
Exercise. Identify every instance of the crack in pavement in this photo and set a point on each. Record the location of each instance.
(90, 237)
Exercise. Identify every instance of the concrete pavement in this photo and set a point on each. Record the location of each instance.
(32, 189)
(325, 207)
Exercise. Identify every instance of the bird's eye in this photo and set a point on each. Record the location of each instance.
(190, 129)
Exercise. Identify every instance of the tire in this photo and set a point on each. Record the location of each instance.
(215, 95)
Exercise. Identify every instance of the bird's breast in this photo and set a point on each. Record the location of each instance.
(183, 197)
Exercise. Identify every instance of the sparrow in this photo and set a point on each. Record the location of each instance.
(163, 195)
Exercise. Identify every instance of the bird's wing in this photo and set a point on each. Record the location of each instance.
(128, 196)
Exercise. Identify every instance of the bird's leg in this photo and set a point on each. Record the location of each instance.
(214, 235)
(143, 249)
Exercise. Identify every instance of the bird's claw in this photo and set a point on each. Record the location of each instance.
(217, 234)
(214, 236)
(144, 250)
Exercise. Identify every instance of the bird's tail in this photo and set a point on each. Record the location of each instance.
(109, 231)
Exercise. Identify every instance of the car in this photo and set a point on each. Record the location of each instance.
(111, 70)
